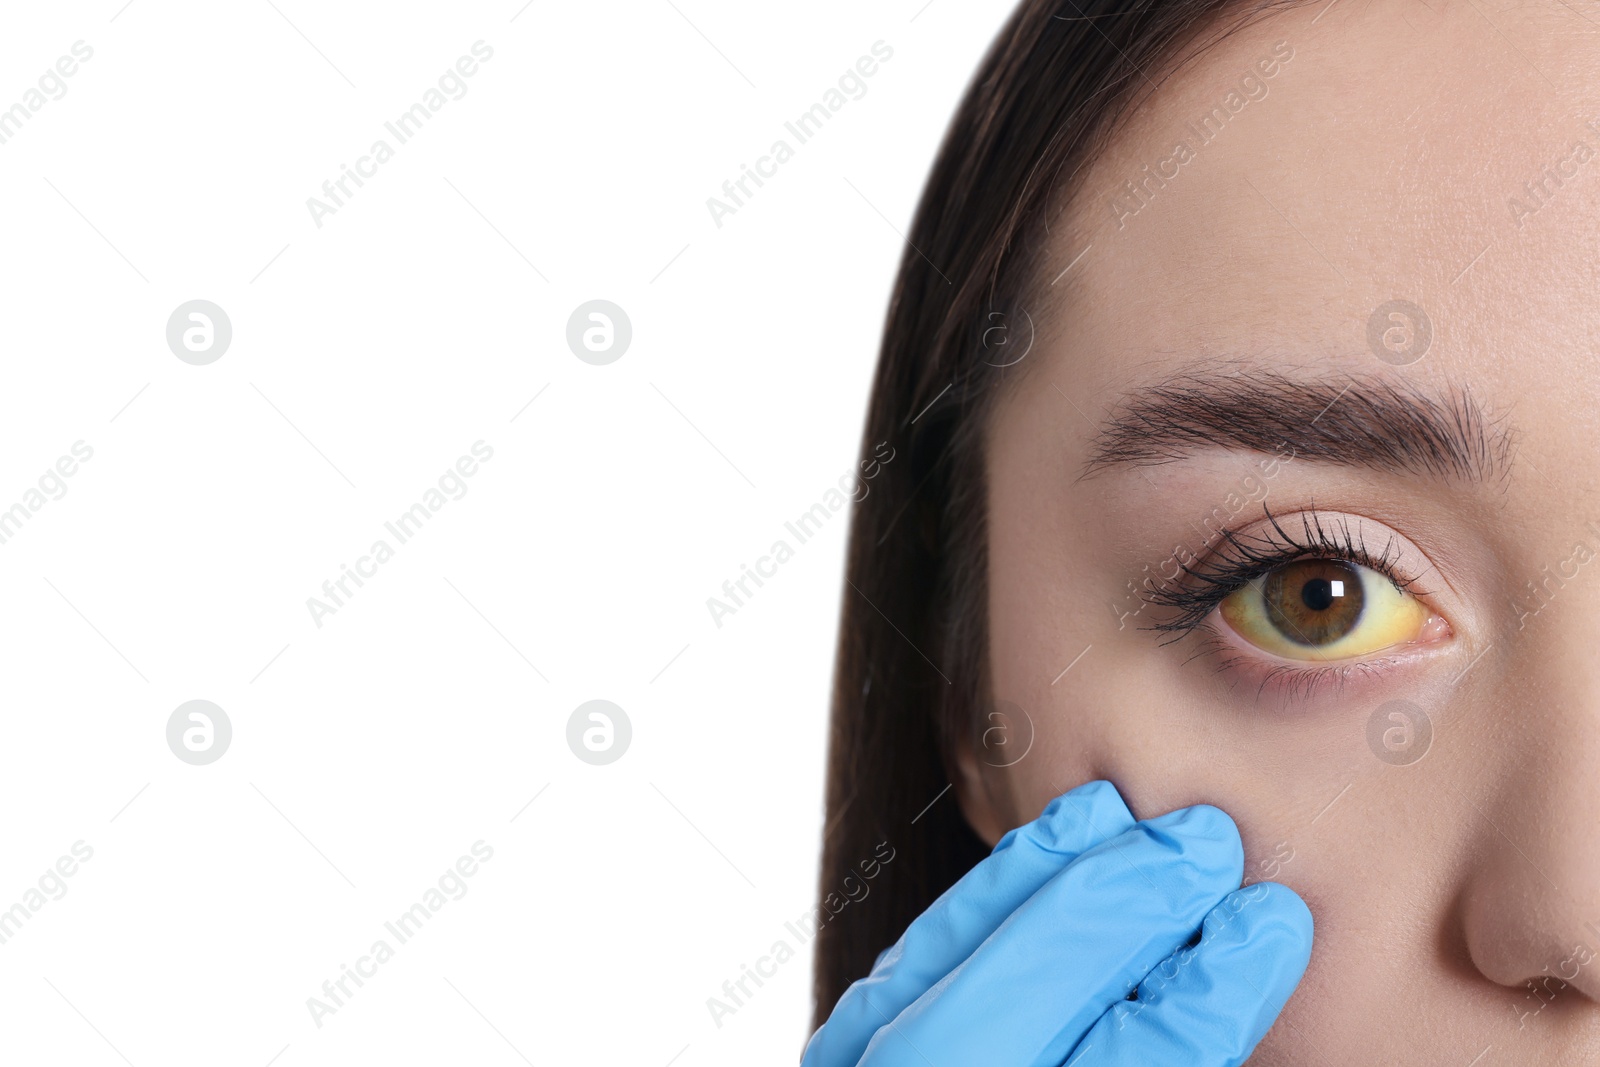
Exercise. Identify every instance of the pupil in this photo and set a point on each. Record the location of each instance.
(1317, 594)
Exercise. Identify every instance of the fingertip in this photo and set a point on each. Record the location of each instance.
(1096, 792)
(1286, 917)
(1218, 823)
(1074, 820)
(1205, 837)
(1215, 1000)
(1268, 926)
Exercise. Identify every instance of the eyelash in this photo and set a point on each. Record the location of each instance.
(1199, 588)
(1240, 560)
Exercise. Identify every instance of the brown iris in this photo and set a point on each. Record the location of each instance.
(1313, 602)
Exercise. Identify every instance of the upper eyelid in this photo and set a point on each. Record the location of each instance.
(1285, 547)
(1217, 580)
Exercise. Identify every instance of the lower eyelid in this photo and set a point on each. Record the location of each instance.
(1300, 680)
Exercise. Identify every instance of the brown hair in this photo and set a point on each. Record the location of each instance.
(911, 670)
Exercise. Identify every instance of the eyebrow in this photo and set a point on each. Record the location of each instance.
(1364, 422)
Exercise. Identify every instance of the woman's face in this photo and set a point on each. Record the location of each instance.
(1368, 284)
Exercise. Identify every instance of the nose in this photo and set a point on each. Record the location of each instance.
(1531, 907)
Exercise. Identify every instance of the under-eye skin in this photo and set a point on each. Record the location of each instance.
(1299, 608)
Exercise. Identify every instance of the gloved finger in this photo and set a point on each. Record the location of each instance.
(968, 912)
(1211, 1004)
(1073, 949)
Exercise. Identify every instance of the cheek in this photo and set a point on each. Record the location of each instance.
(1112, 716)
(1136, 716)
(1315, 810)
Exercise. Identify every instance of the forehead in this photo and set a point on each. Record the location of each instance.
(1330, 185)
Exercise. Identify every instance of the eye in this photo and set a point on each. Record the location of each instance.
(1323, 609)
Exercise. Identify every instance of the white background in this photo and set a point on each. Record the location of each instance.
(371, 752)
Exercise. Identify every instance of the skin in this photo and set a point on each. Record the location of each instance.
(1382, 161)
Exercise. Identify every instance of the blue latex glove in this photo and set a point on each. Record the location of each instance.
(1028, 959)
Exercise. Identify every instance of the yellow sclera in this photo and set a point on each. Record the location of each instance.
(1323, 609)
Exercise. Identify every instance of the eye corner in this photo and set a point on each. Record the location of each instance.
(1435, 631)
